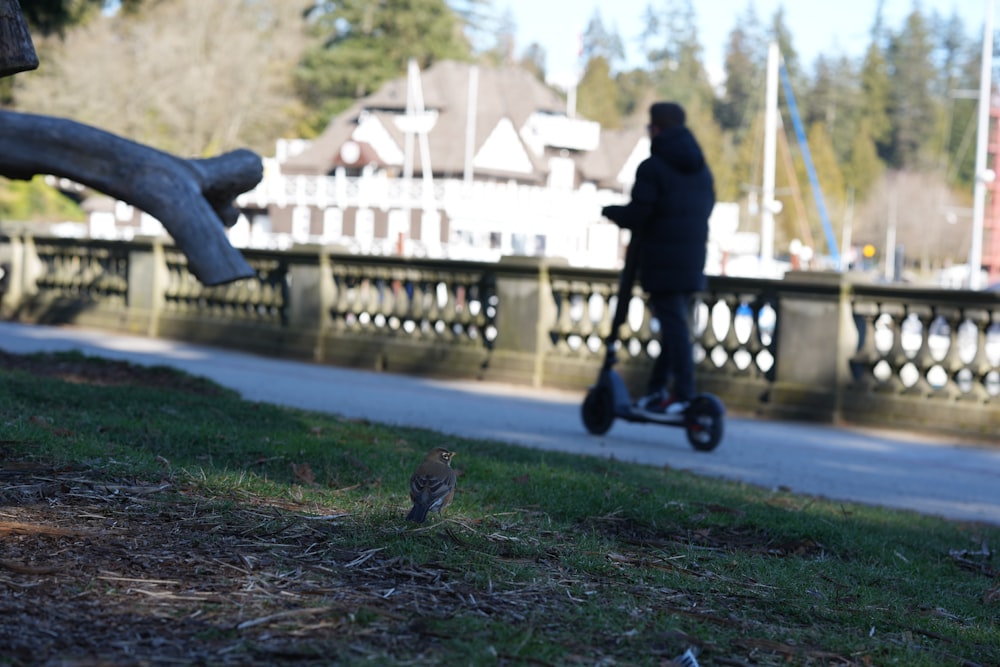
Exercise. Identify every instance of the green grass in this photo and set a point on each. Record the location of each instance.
(543, 558)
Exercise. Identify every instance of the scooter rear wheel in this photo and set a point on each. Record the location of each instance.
(703, 423)
(598, 410)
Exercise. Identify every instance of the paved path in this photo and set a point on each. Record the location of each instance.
(928, 474)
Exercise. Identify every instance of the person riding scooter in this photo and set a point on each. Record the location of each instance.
(672, 199)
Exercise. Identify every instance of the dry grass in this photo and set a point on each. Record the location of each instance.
(200, 529)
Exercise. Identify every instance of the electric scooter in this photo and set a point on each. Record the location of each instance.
(609, 398)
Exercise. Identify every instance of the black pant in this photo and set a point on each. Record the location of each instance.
(676, 360)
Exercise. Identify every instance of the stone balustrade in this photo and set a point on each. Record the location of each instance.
(816, 346)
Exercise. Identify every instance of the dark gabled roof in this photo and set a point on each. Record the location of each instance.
(321, 156)
(502, 92)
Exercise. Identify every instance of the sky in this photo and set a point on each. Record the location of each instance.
(817, 26)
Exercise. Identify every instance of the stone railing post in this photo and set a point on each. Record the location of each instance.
(23, 267)
(310, 297)
(147, 285)
(11, 258)
(526, 314)
(816, 337)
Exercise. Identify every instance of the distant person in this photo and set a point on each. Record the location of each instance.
(672, 199)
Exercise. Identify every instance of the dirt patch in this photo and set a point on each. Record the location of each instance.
(139, 573)
(78, 369)
(735, 538)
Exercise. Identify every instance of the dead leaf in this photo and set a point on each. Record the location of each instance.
(303, 472)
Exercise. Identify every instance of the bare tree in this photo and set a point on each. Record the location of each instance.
(192, 198)
(187, 76)
(926, 218)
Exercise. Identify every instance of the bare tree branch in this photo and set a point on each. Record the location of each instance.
(193, 199)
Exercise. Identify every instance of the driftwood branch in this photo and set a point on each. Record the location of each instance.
(17, 52)
(193, 199)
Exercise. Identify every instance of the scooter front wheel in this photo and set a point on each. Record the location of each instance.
(703, 423)
(598, 410)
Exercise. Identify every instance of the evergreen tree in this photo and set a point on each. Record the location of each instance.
(634, 95)
(789, 56)
(914, 109)
(533, 60)
(742, 91)
(875, 91)
(596, 94)
(599, 42)
(863, 167)
(834, 101)
(504, 37)
(674, 53)
(368, 43)
(960, 70)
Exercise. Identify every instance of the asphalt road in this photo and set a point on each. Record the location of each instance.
(924, 473)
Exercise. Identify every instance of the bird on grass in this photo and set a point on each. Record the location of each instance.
(432, 485)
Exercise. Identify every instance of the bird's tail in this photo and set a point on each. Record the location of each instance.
(418, 514)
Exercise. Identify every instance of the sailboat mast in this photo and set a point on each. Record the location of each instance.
(983, 176)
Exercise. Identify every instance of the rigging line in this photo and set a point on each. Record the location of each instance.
(750, 117)
(831, 241)
(793, 179)
(963, 148)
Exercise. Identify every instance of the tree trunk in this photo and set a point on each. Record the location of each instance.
(17, 53)
(193, 199)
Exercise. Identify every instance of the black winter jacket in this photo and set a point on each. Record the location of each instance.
(672, 198)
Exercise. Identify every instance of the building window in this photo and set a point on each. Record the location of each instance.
(333, 224)
(364, 225)
(399, 226)
(430, 227)
(301, 222)
(519, 244)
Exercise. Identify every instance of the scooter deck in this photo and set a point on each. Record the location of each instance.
(634, 414)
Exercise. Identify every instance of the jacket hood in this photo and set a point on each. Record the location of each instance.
(677, 147)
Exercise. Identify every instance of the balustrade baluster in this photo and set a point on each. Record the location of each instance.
(583, 326)
(895, 357)
(385, 298)
(953, 363)
(432, 304)
(564, 321)
(732, 343)
(419, 305)
(921, 358)
(451, 309)
(981, 365)
(602, 323)
(701, 330)
(866, 356)
(341, 299)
